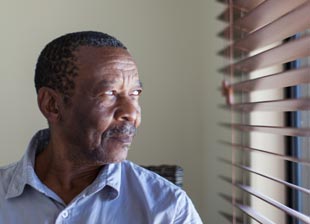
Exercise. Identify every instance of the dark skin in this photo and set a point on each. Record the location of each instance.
(96, 126)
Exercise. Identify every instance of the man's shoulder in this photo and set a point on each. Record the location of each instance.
(161, 194)
(6, 174)
(7, 170)
(149, 179)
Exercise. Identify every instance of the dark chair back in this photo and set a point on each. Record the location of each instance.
(172, 173)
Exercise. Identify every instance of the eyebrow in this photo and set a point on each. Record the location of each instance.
(109, 83)
(106, 83)
(103, 84)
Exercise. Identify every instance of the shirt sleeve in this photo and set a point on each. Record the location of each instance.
(186, 212)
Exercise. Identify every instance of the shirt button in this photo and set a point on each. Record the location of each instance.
(65, 214)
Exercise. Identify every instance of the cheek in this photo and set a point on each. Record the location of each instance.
(100, 118)
(91, 116)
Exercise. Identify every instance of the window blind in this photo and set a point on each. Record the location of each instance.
(265, 42)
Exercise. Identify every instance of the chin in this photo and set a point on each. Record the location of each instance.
(119, 158)
(106, 161)
(115, 155)
(115, 152)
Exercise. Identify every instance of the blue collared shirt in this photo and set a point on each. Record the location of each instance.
(122, 193)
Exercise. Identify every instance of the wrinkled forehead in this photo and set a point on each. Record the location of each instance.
(108, 63)
(91, 55)
(93, 58)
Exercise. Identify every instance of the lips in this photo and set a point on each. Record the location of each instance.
(122, 139)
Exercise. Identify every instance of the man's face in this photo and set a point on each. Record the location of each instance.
(101, 117)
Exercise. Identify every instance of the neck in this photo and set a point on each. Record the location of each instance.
(65, 177)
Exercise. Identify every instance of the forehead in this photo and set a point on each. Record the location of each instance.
(104, 60)
(104, 56)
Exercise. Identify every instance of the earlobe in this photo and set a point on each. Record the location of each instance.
(48, 102)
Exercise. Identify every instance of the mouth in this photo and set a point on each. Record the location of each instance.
(123, 139)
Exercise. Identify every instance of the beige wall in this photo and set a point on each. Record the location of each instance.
(174, 43)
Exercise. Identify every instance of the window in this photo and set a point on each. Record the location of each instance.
(267, 82)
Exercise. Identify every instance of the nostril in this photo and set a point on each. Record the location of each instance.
(126, 114)
(126, 118)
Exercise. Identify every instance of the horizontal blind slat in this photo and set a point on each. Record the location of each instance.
(269, 153)
(267, 199)
(275, 203)
(248, 169)
(266, 13)
(229, 198)
(224, 16)
(244, 4)
(254, 214)
(306, 191)
(230, 218)
(262, 15)
(287, 131)
(281, 54)
(271, 21)
(237, 34)
(301, 104)
(279, 80)
(238, 203)
(278, 30)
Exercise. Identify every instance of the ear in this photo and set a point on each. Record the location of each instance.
(49, 104)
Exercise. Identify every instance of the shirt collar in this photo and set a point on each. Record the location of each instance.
(109, 176)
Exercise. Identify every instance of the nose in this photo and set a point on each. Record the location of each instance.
(127, 110)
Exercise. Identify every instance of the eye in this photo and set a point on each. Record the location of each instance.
(110, 92)
(136, 92)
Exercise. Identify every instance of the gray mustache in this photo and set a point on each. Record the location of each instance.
(125, 129)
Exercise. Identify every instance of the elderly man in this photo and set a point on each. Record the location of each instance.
(75, 171)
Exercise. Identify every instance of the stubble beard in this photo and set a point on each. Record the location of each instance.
(106, 152)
